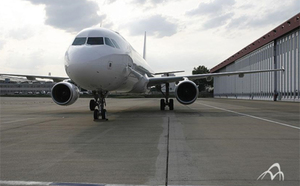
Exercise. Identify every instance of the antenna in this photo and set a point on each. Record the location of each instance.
(144, 52)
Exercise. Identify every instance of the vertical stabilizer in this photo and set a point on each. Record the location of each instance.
(144, 51)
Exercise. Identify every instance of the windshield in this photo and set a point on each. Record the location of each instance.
(79, 41)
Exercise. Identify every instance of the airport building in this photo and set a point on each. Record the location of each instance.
(276, 49)
(17, 86)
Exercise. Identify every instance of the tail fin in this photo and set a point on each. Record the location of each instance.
(144, 52)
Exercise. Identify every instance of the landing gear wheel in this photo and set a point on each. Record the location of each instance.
(171, 104)
(103, 114)
(99, 103)
(93, 104)
(166, 102)
(162, 104)
(96, 114)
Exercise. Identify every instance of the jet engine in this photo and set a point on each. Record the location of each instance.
(186, 92)
(64, 93)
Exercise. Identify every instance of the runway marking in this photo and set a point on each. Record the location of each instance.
(30, 183)
(6, 122)
(255, 117)
(23, 183)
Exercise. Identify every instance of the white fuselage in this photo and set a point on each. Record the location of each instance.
(100, 60)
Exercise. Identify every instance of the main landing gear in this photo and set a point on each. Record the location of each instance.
(99, 102)
(166, 102)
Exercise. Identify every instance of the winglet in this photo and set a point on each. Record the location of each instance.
(144, 51)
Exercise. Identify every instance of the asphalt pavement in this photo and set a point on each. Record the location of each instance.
(211, 142)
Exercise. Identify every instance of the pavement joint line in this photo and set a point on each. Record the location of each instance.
(255, 117)
(168, 152)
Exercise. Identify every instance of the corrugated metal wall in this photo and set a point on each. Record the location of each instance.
(283, 52)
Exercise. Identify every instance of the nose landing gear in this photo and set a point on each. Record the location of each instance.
(100, 103)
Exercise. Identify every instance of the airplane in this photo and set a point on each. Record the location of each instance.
(101, 60)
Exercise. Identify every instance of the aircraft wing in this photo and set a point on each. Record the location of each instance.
(33, 77)
(159, 80)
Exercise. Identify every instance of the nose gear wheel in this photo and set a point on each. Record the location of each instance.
(99, 101)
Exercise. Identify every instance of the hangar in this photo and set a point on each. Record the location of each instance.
(277, 48)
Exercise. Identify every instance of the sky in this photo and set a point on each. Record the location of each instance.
(181, 34)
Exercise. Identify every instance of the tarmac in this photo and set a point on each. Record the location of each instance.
(211, 142)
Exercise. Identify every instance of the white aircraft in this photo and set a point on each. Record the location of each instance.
(101, 60)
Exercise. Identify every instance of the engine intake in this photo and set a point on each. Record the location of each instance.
(64, 93)
(186, 92)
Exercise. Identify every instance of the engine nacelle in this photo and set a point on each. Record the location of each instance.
(209, 78)
(64, 93)
(186, 92)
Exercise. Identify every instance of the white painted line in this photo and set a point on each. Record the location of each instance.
(127, 185)
(14, 121)
(255, 117)
(24, 183)
(32, 183)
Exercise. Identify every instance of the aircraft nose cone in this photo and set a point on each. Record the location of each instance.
(86, 67)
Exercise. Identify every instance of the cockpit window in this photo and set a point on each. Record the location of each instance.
(95, 41)
(115, 43)
(108, 42)
(79, 41)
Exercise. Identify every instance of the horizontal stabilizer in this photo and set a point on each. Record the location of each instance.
(167, 73)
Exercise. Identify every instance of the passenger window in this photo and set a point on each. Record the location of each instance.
(95, 41)
(79, 41)
(115, 43)
(108, 42)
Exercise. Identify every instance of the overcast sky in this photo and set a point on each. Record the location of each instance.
(181, 34)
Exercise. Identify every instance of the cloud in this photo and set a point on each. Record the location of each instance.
(217, 13)
(217, 21)
(268, 16)
(240, 22)
(70, 15)
(236, 16)
(2, 43)
(148, 1)
(213, 8)
(276, 16)
(150, 4)
(139, 1)
(156, 25)
(110, 1)
(22, 32)
(26, 60)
